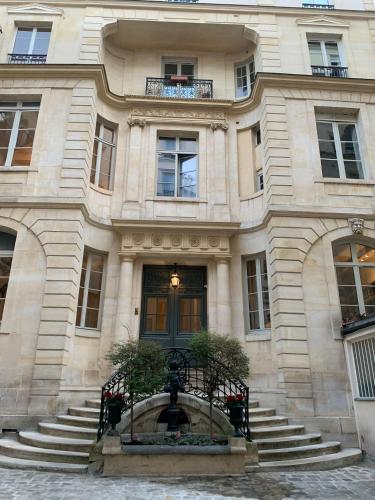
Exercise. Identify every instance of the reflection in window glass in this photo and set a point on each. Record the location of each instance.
(90, 291)
(257, 293)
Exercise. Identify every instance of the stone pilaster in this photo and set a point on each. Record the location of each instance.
(223, 296)
(123, 327)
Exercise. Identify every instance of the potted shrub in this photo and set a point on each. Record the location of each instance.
(236, 405)
(114, 403)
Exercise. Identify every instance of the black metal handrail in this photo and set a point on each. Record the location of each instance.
(191, 88)
(210, 382)
(330, 71)
(27, 58)
(318, 6)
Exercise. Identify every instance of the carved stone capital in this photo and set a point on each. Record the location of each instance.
(219, 125)
(356, 225)
(136, 122)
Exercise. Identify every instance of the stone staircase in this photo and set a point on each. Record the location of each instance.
(64, 446)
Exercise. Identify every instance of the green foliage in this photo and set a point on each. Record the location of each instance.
(144, 364)
(227, 350)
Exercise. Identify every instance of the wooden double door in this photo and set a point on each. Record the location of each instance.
(171, 316)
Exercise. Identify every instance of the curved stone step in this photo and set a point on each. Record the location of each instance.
(78, 421)
(93, 403)
(46, 441)
(19, 463)
(253, 403)
(311, 450)
(274, 421)
(270, 432)
(83, 411)
(288, 441)
(68, 431)
(261, 412)
(343, 458)
(15, 449)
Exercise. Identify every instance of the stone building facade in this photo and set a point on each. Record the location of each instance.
(233, 144)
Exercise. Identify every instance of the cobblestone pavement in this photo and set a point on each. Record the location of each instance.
(357, 482)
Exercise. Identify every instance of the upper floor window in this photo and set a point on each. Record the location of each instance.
(256, 285)
(178, 68)
(177, 159)
(339, 150)
(326, 58)
(103, 155)
(7, 242)
(355, 270)
(17, 129)
(90, 290)
(319, 4)
(245, 78)
(30, 45)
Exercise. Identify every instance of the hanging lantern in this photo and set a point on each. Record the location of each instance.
(175, 279)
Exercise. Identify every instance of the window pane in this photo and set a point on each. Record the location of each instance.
(93, 162)
(267, 318)
(251, 267)
(349, 313)
(189, 145)
(350, 150)
(187, 175)
(6, 120)
(325, 131)
(353, 169)
(93, 299)
(92, 316)
(167, 144)
(108, 134)
(187, 69)
(170, 69)
(28, 119)
(22, 157)
(330, 168)
(156, 314)
(242, 85)
(348, 295)
(78, 317)
(327, 149)
(22, 42)
(347, 132)
(41, 41)
(345, 275)
(25, 138)
(342, 253)
(4, 138)
(367, 275)
(166, 175)
(365, 254)
(5, 265)
(254, 320)
(333, 56)
(3, 155)
(316, 56)
(95, 281)
(253, 302)
(368, 295)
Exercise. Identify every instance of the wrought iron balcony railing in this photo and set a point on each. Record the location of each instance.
(330, 71)
(189, 88)
(318, 5)
(27, 58)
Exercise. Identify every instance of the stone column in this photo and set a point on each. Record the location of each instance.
(135, 149)
(123, 327)
(223, 297)
(220, 191)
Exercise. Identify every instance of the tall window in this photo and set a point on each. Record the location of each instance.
(257, 293)
(17, 128)
(355, 270)
(177, 166)
(324, 53)
(245, 78)
(90, 291)
(103, 155)
(339, 150)
(30, 45)
(7, 242)
(364, 363)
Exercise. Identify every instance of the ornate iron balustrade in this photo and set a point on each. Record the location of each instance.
(27, 58)
(211, 382)
(330, 71)
(318, 6)
(190, 89)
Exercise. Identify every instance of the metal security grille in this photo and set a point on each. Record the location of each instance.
(364, 360)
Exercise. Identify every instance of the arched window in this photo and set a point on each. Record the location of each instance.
(355, 270)
(7, 242)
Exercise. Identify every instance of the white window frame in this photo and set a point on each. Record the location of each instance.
(179, 62)
(176, 152)
(245, 64)
(100, 142)
(18, 109)
(260, 180)
(257, 258)
(322, 41)
(340, 157)
(33, 37)
(86, 291)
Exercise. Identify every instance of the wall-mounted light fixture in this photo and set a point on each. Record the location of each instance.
(175, 279)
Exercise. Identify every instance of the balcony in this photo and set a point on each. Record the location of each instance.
(27, 58)
(323, 5)
(179, 87)
(330, 71)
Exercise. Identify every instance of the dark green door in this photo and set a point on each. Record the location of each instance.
(169, 315)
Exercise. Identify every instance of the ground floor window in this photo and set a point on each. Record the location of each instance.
(364, 363)
(7, 242)
(90, 290)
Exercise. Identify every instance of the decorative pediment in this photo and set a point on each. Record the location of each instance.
(328, 22)
(35, 8)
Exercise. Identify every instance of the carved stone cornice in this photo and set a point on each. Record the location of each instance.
(219, 126)
(132, 122)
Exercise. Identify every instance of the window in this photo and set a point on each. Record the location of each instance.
(319, 4)
(258, 303)
(258, 137)
(324, 53)
(181, 68)
(103, 155)
(90, 290)
(7, 242)
(177, 166)
(355, 270)
(30, 45)
(245, 78)
(17, 128)
(339, 150)
(364, 363)
(260, 182)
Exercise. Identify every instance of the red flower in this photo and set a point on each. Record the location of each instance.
(119, 396)
(240, 397)
(107, 395)
(231, 399)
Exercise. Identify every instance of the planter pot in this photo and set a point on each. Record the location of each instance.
(114, 413)
(236, 416)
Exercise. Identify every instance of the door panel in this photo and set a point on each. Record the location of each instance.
(172, 316)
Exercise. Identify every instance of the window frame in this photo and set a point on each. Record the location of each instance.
(18, 109)
(176, 152)
(250, 76)
(322, 40)
(33, 38)
(257, 258)
(179, 62)
(337, 141)
(104, 123)
(90, 253)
